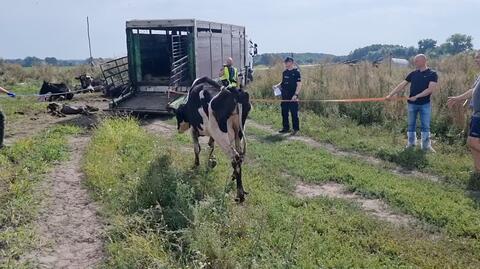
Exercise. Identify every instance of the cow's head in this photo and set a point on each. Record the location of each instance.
(52, 107)
(45, 87)
(182, 119)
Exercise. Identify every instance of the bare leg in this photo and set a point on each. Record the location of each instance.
(474, 145)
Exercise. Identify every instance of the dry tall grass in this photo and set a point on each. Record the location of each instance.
(456, 74)
(11, 74)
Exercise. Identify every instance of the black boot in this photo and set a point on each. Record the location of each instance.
(2, 128)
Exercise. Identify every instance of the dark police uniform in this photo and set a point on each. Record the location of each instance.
(289, 86)
(2, 127)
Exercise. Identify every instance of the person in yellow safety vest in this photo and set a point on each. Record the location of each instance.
(229, 74)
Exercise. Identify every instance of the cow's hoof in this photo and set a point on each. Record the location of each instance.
(240, 199)
(212, 163)
(240, 196)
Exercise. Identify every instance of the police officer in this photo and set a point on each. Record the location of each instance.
(229, 74)
(290, 87)
(2, 117)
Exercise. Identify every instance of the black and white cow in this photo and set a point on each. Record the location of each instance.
(90, 84)
(219, 113)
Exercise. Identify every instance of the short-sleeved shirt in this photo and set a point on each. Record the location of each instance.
(420, 80)
(289, 83)
(475, 103)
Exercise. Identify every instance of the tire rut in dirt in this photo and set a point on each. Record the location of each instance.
(70, 231)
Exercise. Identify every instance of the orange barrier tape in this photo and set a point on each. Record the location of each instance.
(179, 93)
(354, 100)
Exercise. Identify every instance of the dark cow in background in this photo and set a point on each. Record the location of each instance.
(220, 113)
(112, 91)
(59, 91)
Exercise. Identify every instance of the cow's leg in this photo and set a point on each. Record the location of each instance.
(238, 136)
(237, 172)
(196, 147)
(212, 161)
(225, 141)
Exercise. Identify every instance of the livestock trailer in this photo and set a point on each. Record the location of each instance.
(164, 57)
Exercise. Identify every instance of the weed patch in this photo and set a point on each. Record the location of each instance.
(410, 158)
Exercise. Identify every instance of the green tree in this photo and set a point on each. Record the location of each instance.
(426, 45)
(458, 43)
(31, 61)
(51, 61)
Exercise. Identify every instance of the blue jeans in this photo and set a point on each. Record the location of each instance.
(425, 112)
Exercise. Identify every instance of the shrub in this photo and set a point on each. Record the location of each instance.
(164, 187)
(363, 114)
(409, 158)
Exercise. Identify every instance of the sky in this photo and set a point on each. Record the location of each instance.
(57, 28)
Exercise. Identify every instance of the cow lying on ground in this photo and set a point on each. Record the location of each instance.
(57, 90)
(220, 113)
(61, 110)
(90, 84)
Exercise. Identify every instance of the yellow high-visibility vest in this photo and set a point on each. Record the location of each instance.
(228, 78)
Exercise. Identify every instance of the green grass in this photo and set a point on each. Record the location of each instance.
(443, 206)
(384, 141)
(16, 108)
(23, 166)
(164, 214)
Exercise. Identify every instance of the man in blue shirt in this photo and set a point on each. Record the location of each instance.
(423, 83)
(290, 87)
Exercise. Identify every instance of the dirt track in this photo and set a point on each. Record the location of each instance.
(374, 207)
(69, 228)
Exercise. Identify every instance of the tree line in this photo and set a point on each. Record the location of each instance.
(455, 44)
(52, 61)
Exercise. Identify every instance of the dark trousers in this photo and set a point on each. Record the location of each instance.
(2, 127)
(292, 108)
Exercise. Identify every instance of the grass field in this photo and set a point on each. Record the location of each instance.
(379, 129)
(456, 74)
(164, 214)
(452, 160)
